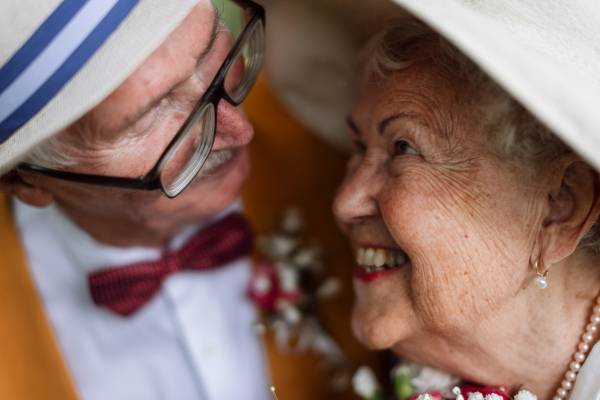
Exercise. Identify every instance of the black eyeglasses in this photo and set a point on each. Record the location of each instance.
(186, 154)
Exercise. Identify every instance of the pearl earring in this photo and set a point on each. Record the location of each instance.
(540, 280)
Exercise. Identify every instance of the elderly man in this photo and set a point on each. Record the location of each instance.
(109, 111)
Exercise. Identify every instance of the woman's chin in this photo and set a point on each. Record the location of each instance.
(375, 332)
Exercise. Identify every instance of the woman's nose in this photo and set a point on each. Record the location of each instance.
(233, 129)
(356, 198)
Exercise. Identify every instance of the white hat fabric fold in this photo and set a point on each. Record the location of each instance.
(59, 59)
(52, 55)
(545, 54)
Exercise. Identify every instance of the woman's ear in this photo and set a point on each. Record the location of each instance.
(13, 184)
(573, 206)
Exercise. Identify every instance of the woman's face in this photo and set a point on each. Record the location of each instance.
(454, 222)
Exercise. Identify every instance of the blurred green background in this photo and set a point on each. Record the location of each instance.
(231, 14)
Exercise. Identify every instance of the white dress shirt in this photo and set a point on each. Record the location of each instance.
(192, 340)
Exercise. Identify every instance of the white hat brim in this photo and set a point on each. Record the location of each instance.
(145, 28)
(546, 55)
(564, 95)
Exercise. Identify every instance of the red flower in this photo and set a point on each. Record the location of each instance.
(466, 389)
(266, 289)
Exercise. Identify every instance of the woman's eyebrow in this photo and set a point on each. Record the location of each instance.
(353, 126)
(383, 124)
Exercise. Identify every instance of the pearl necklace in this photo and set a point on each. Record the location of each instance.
(579, 356)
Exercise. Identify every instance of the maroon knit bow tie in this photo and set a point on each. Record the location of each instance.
(125, 289)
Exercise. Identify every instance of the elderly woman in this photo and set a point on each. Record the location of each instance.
(460, 206)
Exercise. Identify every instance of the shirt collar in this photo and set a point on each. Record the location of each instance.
(91, 255)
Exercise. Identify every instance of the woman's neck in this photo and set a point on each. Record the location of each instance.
(531, 340)
(544, 335)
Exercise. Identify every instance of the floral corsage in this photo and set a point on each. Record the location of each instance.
(288, 285)
(412, 382)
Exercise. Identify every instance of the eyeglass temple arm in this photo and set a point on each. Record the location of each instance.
(248, 5)
(109, 181)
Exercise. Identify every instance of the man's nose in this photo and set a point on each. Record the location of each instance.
(233, 129)
(356, 199)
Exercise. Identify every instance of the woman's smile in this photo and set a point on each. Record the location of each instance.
(375, 262)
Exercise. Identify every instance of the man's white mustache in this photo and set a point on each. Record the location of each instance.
(215, 160)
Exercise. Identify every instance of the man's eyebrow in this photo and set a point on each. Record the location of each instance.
(147, 107)
(383, 124)
(213, 37)
(353, 126)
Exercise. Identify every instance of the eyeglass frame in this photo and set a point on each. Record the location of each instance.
(213, 95)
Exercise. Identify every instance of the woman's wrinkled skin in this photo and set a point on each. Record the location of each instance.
(423, 180)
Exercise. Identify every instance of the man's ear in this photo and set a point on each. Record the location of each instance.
(573, 206)
(11, 183)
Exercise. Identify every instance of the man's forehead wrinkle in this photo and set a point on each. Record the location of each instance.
(170, 65)
(138, 94)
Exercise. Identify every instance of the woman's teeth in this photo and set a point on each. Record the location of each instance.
(373, 260)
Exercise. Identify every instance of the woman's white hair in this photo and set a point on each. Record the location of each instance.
(513, 133)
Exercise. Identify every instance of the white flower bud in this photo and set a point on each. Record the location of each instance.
(525, 395)
(292, 221)
(291, 315)
(279, 246)
(364, 382)
(475, 396)
(425, 396)
(429, 380)
(288, 278)
(307, 257)
(456, 390)
(262, 285)
(329, 288)
(493, 396)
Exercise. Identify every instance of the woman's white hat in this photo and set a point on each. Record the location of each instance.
(60, 58)
(546, 54)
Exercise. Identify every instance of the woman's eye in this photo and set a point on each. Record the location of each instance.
(359, 147)
(401, 148)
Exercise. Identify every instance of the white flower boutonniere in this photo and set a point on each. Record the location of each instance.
(288, 285)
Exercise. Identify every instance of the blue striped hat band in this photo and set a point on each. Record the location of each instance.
(53, 55)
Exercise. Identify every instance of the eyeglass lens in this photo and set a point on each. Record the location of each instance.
(190, 153)
(244, 70)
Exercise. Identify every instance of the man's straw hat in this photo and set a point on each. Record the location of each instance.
(59, 58)
(546, 54)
